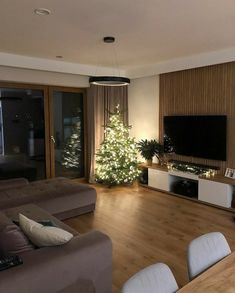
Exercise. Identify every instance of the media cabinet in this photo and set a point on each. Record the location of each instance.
(216, 190)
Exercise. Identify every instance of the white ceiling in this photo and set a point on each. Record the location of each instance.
(147, 32)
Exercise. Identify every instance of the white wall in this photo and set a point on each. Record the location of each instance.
(143, 96)
(13, 74)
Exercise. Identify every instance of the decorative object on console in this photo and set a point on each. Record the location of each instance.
(230, 173)
(191, 168)
(117, 157)
(150, 148)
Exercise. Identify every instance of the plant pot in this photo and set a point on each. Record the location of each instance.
(149, 162)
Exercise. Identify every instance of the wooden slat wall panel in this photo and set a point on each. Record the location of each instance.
(206, 90)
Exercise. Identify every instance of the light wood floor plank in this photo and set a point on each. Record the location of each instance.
(148, 226)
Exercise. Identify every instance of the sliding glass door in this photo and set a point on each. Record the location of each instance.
(22, 133)
(67, 132)
(41, 131)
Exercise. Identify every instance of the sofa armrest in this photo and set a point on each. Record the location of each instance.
(51, 269)
(13, 183)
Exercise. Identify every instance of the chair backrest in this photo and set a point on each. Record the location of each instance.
(156, 278)
(205, 251)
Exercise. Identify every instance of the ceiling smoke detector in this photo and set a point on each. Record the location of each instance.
(42, 11)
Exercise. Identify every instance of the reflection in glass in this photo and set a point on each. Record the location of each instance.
(22, 135)
(68, 130)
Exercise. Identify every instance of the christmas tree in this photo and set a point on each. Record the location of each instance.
(117, 157)
(72, 150)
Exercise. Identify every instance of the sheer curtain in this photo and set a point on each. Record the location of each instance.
(100, 101)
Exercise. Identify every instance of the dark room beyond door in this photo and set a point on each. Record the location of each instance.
(22, 133)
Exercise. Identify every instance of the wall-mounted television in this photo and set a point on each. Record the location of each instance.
(198, 136)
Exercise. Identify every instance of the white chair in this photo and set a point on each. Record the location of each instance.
(205, 251)
(156, 278)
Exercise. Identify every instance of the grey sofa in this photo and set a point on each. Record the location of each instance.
(60, 196)
(82, 265)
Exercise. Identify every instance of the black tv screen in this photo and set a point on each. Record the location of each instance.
(197, 136)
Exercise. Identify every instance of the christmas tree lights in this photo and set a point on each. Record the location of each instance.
(117, 157)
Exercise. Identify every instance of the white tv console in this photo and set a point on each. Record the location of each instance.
(216, 190)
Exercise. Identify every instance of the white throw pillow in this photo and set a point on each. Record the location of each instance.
(43, 235)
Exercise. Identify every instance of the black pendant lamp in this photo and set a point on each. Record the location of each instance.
(109, 80)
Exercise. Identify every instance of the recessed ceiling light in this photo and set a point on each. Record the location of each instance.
(42, 11)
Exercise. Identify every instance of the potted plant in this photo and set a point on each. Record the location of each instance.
(150, 148)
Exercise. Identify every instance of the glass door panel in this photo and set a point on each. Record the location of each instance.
(68, 137)
(22, 133)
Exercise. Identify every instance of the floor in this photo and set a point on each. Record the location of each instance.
(148, 226)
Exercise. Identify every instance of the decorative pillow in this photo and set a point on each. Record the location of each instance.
(42, 222)
(42, 235)
(12, 239)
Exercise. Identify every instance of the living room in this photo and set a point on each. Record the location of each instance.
(179, 62)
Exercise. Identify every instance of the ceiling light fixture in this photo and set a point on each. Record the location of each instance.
(109, 80)
(42, 11)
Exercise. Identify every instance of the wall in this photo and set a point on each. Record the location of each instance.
(143, 104)
(42, 77)
(207, 90)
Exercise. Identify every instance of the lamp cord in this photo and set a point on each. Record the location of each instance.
(116, 65)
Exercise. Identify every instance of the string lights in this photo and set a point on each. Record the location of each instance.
(117, 157)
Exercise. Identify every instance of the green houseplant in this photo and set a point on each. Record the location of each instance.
(150, 148)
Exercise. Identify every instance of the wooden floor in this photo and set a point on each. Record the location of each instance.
(147, 226)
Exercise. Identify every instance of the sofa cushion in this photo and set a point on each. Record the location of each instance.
(56, 195)
(43, 235)
(12, 238)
